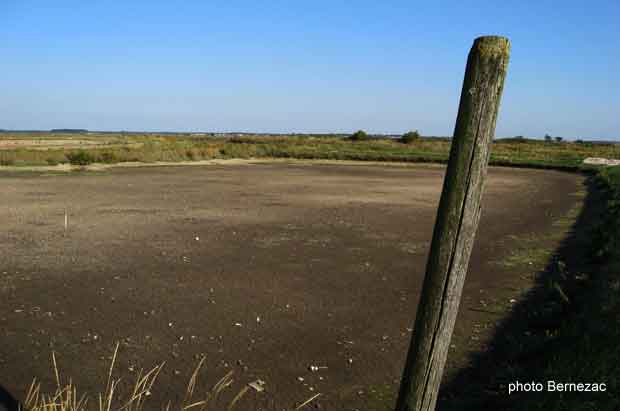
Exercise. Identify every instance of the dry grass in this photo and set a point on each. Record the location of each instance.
(67, 398)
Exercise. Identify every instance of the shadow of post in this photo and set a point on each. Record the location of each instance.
(7, 401)
(522, 340)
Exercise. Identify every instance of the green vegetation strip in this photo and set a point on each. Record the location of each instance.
(117, 148)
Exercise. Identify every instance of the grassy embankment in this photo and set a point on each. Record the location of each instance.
(566, 329)
(117, 148)
(586, 345)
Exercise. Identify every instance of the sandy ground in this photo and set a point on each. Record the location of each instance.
(265, 268)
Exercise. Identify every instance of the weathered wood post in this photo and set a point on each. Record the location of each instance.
(456, 224)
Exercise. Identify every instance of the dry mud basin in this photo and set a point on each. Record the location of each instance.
(266, 269)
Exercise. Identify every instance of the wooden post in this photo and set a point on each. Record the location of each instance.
(456, 224)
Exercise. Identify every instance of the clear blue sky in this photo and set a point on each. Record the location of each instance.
(304, 66)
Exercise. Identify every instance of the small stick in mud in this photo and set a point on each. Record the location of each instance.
(66, 221)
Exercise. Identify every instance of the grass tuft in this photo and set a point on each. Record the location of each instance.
(66, 396)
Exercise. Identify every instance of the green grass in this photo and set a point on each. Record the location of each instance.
(116, 148)
(527, 250)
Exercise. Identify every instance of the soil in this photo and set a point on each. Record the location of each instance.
(264, 268)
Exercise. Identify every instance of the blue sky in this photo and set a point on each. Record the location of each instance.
(303, 66)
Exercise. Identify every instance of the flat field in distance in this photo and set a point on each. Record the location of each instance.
(266, 269)
(40, 149)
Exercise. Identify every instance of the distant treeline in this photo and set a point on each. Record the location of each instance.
(69, 130)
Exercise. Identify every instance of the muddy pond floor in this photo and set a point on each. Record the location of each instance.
(266, 269)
